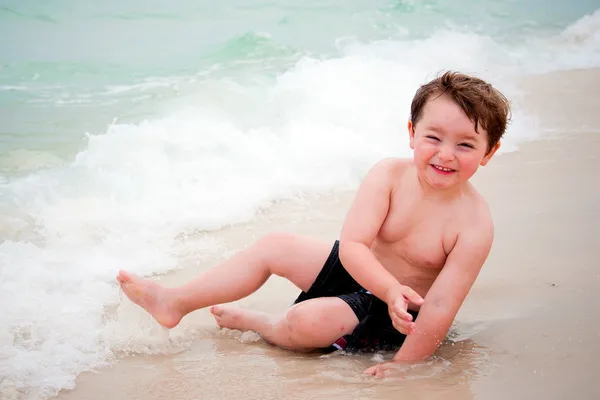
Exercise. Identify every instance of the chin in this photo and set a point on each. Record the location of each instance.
(441, 183)
(442, 186)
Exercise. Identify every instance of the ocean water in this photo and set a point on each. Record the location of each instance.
(125, 126)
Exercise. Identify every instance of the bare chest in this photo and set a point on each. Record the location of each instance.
(419, 237)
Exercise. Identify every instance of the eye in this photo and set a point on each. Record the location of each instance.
(470, 146)
(432, 137)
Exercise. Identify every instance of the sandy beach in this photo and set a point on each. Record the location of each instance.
(527, 330)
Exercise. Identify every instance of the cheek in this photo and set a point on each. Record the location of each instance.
(469, 164)
(424, 151)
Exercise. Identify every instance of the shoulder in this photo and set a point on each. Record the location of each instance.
(391, 168)
(394, 163)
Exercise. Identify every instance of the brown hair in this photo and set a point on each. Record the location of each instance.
(483, 104)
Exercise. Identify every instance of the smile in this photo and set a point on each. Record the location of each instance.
(442, 169)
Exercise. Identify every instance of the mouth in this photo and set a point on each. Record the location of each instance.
(442, 170)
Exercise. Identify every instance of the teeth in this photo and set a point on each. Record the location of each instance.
(442, 168)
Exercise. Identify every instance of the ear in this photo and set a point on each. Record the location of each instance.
(490, 154)
(411, 134)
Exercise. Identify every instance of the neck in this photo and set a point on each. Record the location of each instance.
(429, 192)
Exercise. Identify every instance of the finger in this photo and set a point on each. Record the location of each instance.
(371, 371)
(378, 371)
(400, 306)
(403, 314)
(383, 370)
(405, 330)
(412, 296)
(406, 326)
(399, 321)
(403, 326)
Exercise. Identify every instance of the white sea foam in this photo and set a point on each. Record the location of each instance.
(585, 30)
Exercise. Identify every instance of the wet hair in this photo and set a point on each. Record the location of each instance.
(481, 102)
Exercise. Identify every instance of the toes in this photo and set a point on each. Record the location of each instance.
(217, 312)
(124, 277)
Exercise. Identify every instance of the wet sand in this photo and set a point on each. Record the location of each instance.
(528, 329)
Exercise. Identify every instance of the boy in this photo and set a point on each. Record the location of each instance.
(414, 241)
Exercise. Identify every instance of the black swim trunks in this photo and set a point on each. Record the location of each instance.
(375, 330)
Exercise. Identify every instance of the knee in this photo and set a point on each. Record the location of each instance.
(306, 326)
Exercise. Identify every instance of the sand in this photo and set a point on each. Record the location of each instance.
(528, 329)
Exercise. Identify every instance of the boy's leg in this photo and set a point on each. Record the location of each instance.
(296, 258)
(311, 324)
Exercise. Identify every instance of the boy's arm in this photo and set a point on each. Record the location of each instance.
(447, 293)
(362, 224)
(444, 299)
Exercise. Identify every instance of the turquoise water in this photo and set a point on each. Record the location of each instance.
(62, 60)
(126, 126)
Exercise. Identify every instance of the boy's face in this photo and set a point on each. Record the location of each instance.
(447, 149)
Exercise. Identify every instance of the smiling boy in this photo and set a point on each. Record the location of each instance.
(412, 244)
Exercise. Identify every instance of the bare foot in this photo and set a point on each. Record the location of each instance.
(238, 318)
(151, 297)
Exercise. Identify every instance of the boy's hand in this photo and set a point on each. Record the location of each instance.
(382, 370)
(397, 301)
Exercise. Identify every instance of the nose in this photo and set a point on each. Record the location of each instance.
(446, 153)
